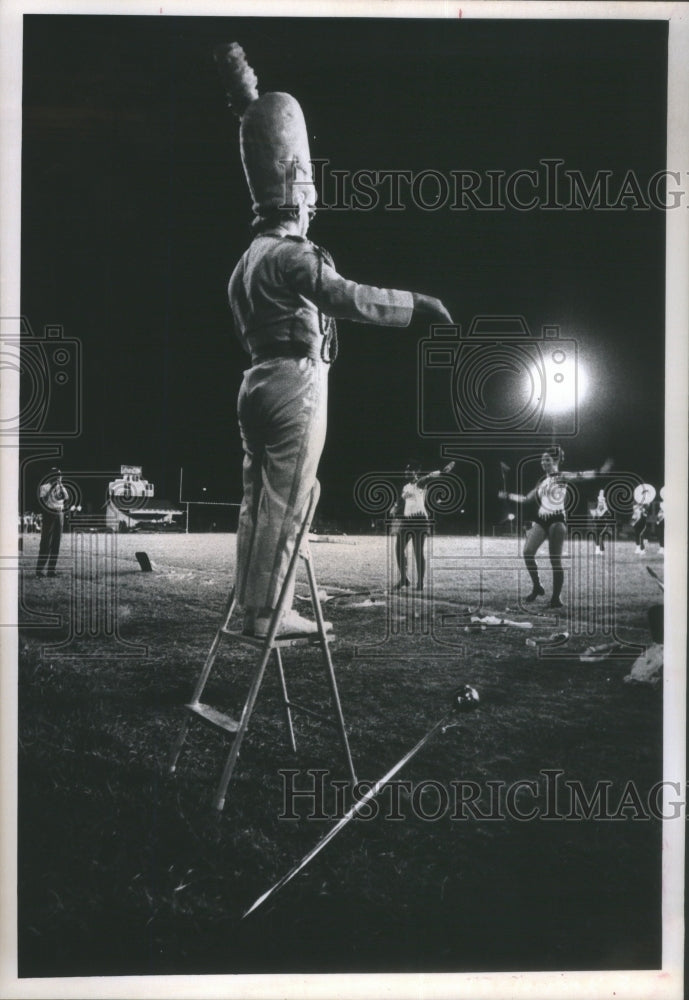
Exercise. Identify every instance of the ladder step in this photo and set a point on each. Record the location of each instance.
(286, 640)
(213, 716)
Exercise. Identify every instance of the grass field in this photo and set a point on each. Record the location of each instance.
(124, 869)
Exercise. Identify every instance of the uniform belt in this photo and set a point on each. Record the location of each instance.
(285, 349)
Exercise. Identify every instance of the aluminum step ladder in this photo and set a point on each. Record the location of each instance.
(268, 647)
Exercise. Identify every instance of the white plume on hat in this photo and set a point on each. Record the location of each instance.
(274, 143)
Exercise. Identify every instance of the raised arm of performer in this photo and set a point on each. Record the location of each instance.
(518, 497)
(446, 470)
(563, 474)
(573, 477)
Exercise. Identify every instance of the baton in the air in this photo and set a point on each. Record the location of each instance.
(504, 468)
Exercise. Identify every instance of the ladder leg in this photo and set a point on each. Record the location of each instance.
(221, 793)
(268, 647)
(179, 743)
(202, 679)
(330, 670)
(285, 698)
(212, 652)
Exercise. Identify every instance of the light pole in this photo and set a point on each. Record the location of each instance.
(186, 502)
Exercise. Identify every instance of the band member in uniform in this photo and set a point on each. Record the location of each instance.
(550, 522)
(411, 523)
(285, 295)
(603, 520)
(52, 496)
(660, 522)
(639, 523)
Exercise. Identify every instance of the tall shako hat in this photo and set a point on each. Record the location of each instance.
(273, 139)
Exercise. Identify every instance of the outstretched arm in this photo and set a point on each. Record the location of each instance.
(588, 473)
(309, 275)
(421, 481)
(518, 497)
(426, 305)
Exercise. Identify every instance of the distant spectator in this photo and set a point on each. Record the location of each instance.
(52, 496)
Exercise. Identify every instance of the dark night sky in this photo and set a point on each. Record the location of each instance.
(135, 209)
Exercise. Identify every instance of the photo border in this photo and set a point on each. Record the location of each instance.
(664, 983)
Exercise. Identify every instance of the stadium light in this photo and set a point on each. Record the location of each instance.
(565, 386)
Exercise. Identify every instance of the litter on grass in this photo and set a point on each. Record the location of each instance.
(323, 597)
(494, 620)
(596, 654)
(346, 598)
(647, 668)
(556, 639)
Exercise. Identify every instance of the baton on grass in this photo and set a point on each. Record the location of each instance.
(463, 700)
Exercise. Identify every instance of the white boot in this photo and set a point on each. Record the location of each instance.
(292, 624)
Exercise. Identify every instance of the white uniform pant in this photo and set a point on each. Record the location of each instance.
(282, 410)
